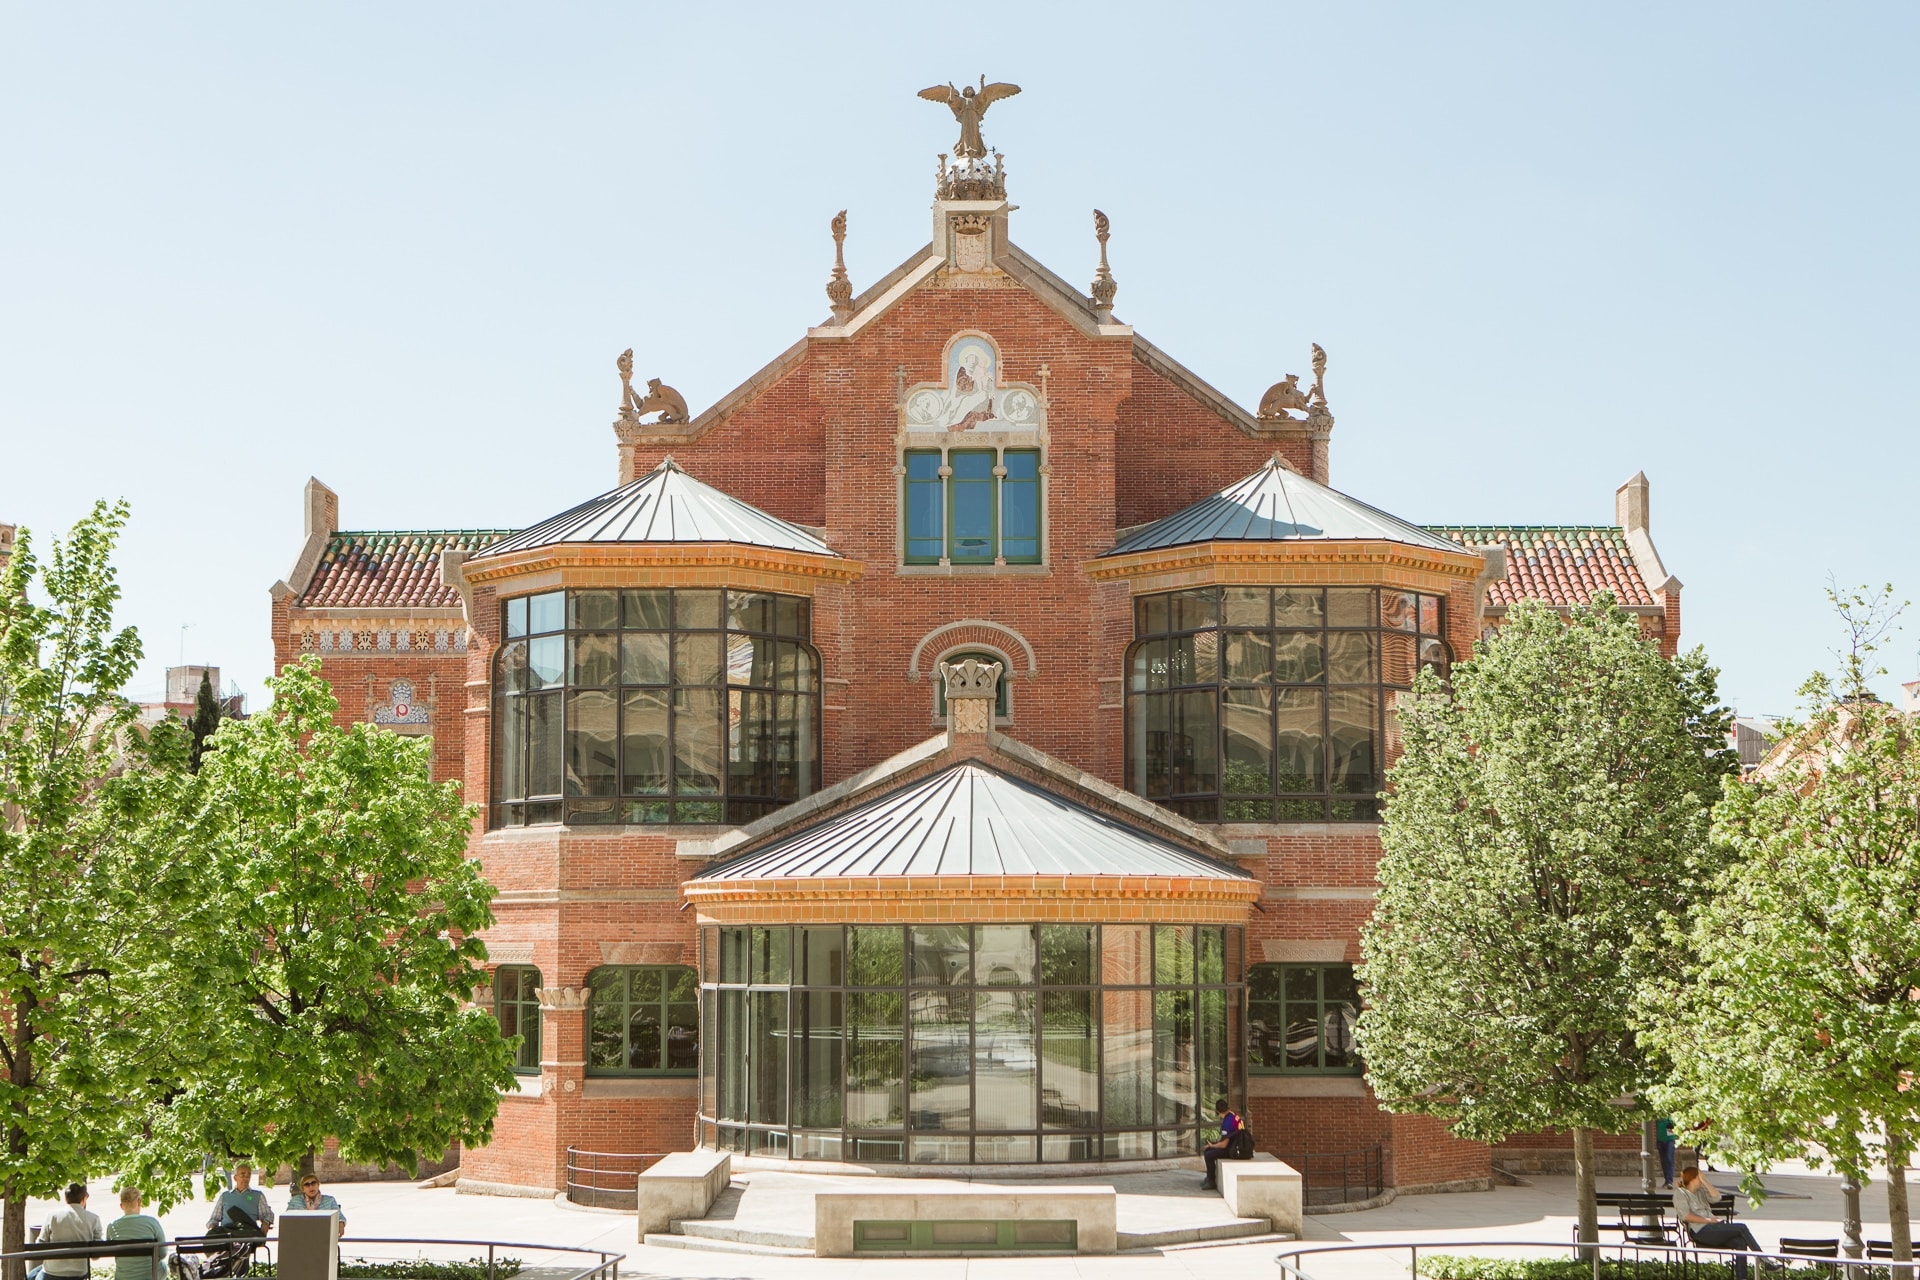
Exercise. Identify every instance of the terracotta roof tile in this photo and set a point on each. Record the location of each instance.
(390, 569)
(1558, 564)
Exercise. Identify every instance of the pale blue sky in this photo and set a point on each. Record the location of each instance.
(398, 247)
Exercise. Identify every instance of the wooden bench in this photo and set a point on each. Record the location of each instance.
(1263, 1187)
(682, 1185)
(959, 1220)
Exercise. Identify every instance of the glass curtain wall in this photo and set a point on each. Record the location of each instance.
(970, 1044)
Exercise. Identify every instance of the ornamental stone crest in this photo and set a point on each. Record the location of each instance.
(400, 708)
(973, 396)
(971, 685)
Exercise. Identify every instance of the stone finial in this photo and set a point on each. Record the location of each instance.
(839, 288)
(971, 688)
(1319, 374)
(1104, 285)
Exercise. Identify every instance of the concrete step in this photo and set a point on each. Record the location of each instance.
(1198, 1233)
(723, 1246)
(1274, 1237)
(736, 1233)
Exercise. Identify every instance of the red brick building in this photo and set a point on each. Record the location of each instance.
(782, 870)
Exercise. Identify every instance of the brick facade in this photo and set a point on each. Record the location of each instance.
(816, 439)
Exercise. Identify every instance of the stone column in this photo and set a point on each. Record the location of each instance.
(563, 1065)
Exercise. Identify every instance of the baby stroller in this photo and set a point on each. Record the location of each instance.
(228, 1252)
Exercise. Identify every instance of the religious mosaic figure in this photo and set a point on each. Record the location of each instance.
(972, 399)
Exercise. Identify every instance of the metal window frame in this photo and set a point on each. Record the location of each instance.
(943, 487)
(1320, 1020)
(627, 1005)
(524, 1007)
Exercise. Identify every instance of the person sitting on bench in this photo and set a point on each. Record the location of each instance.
(1218, 1150)
(1693, 1204)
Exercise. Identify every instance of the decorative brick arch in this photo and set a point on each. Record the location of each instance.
(969, 633)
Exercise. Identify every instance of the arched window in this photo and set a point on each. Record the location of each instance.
(516, 1006)
(1002, 697)
(663, 705)
(1263, 704)
(643, 1020)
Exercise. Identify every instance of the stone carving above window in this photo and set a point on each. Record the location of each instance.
(364, 638)
(399, 708)
(974, 395)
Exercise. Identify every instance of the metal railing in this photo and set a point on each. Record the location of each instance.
(604, 1263)
(1342, 1177)
(606, 1179)
(1609, 1258)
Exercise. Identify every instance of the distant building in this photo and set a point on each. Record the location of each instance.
(6, 543)
(1752, 737)
(1910, 697)
(183, 693)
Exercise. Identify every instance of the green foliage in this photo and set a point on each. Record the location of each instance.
(83, 920)
(334, 951)
(415, 1269)
(1549, 814)
(1794, 1026)
(205, 721)
(1459, 1266)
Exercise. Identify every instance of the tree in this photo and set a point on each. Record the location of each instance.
(1548, 813)
(1795, 1026)
(205, 721)
(339, 948)
(82, 906)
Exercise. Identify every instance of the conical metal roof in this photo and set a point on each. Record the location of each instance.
(665, 505)
(969, 820)
(1277, 505)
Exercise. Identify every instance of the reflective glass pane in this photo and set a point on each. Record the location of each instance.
(1351, 714)
(1246, 606)
(546, 661)
(644, 658)
(1003, 955)
(790, 616)
(545, 750)
(644, 1038)
(876, 1078)
(683, 1026)
(1005, 1067)
(516, 611)
(768, 1101)
(734, 953)
(751, 611)
(816, 1058)
(926, 519)
(605, 1046)
(1150, 744)
(696, 741)
(594, 610)
(1300, 607)
(510, 751)
(1126, 1038)
(1350, 607)
(940, 1048)
(731, 1051)
(941, 955)
(1339, 1010)
(547, 612)
(1350, 657)
(1069, 1061)
(1247, 657)
(592, 762)
(1194, 742)
(1399, 658)
(771, 955)
(1430, 615)
(1126, 955)
(647, 750)
(822, 958)
(1193, 609)
(696, 659)
(596, 659)
(1299, 753)
(971, 490)
(1399, 610)
(1210, 1036)
(1150, 616)
(646, 610)
(1194, 659)
(1172, 953)
(696, 610)
(1298, 657)
(1066, 954)
(1175, 1067)
(876, 956)
(1150, 665)
(1210, 949)
(1247, 726)
(750, 743)
(510, 668)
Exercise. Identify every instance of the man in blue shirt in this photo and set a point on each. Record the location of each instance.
(1216, 1151)
(245, 1197)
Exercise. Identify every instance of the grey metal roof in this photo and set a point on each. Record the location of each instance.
(1277, 505)
(665, 505)
(969, 820)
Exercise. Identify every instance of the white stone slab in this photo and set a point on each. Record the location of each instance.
(682, 1185)
(1263, 1187)
(1092, 1209)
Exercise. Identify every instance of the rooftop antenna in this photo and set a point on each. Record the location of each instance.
(184, 628)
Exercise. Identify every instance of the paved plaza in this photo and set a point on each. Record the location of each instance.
(1540, 1212)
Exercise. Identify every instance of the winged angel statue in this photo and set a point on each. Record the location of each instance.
(968, 105)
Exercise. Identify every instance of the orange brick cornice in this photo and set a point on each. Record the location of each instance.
(1355, 563)
(666, 564)
(979, 899)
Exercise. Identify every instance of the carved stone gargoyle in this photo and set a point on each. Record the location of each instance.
(1288, 394)
(671, 405)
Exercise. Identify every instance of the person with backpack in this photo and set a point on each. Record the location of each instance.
(1234, 1143)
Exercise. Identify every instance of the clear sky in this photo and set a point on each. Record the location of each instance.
(398, 247)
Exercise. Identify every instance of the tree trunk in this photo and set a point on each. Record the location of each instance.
(1583, 1189)
(306, 1167)
(1897, 1219)
(13, 1230)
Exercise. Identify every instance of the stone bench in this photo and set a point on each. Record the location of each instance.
(964, 1219)
(682, 1185)
(1263, 1187)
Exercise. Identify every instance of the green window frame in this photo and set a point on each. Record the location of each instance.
(972, 507)
(516, 1007)
(1300, 1020)
(643, 1020)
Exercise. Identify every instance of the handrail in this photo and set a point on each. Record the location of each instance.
(1289, 1268)
(607, 1266)
(596, 1184)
